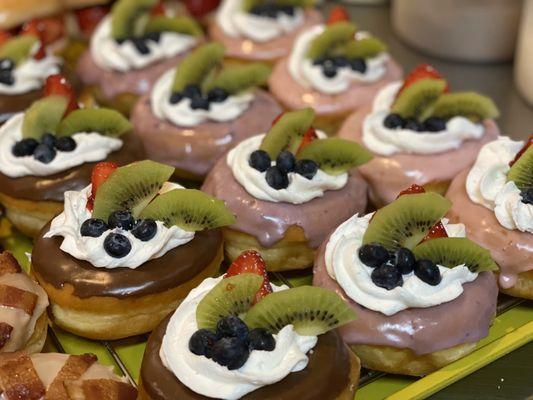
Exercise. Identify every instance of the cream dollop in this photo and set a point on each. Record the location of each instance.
(90, 147)
(181, 113)
(300, 189)
(210, 379)
(91, 249)
(343, 265)
(384, 141)
(110, 55)
(486, 184)
(306, 74)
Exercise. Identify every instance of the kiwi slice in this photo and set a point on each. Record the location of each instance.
(334, 36)
(415, 99)
(467, 104)
(180, 24)
(521, 173)
(247, 5)
(102, 120)
(18, 49)
(334, 155)
(311, 310)
(129, 17)
(197, 65)
(288, 131)
(364, 48)
(190, 209)
(406, 221)
(237, 78)
(43, 116)
(231, 296)
(131, 188)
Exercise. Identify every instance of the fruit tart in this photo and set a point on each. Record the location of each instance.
(60, 376)
(131, 47)
(494, 199)
(288, 188)
(23, 320)
(420, 132)
(199, 110)
(240, 337)
(127, 249)
(257, 30)
(424, 294)
(51, 148)
(335, 69)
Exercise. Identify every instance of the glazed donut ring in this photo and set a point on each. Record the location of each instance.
(523, 286)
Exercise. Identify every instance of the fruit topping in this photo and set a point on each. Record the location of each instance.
(99, 175)
(259, 160)
(260, 339)
(251, 262)
(18, 48)
(117, 245)
(434, 124)
(231, 352)
(104, 121)
(363, 48)
(88, 18)
(93, 227)
(417, 98)
(48, 30)
(24, 147)
(468, 104)
(232, 326)
(272, 10)
(43, 116)
(6, 72)
(373, 254)
(404, 260)
(59, 85)
(413, 125)
(144, 229)
(521, 173)
(65, 143)
(179, 24)
(428, 272)
(238, 78)
(529, 142)
(306, 168)
(333, 37)
(414, 188)
(199, 8)
(286, 161)
(422, 71)
(44, 153)
(276, 178)
(129, 17)
(121, 219)
(217, 95)
(387, 276)
(202, 341)
(338, 14)
(527, 196)
(309, 136)
(436, 231)
(394, 121)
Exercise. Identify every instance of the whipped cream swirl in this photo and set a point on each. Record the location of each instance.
(344, 266)
(210, 379)
(91, 249)
(306, 74)
(385, 141)
(486, 184)
(300, 189)
(90, 147)
(181, 113)
(110, 55)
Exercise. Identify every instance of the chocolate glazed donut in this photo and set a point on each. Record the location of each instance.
(11, 104)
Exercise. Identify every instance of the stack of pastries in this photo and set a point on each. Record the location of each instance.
(181, 160)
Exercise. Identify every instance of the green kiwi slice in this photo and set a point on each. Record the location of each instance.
(43, 116)
(406, 221)
(335, 156)
(231, 296)
(521, 173)
(415, 99)
(180, 24)
(238, 78)
(287, 132)
(129, 17)
(364, 48)
(197, 65)
(467, 104)
(130, 188)
(102, 120)
(334, 36)
(18, 49)
(247, 5)
(190, 209)
(450, 252)
(311, 310)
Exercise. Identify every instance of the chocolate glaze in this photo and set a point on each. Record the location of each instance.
(52, 187)
(267, 221)
(325, 376)
(511, 249)
(177, 266)
(11, 104)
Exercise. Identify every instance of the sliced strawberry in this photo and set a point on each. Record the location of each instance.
(251, 262)
(338, 14)
(88, 18)
(275, 120)
(100, 173)
(422, 71)
(59, 85)
(4, 36)
(308, 137)
(158, 9)
(522, 150)
(31, 29)
(199, 8)
(414, 188)
(436, 231)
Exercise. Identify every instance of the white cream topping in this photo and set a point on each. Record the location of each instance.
(181, 113)
(384, 141)
(210, 379)
(306, 74)
(91, 249)
(486, 184)
(90, 147)
(110, 55)
(237, 23)
(344, 266)
(300, 189)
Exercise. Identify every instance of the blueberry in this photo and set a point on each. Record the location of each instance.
(48, 139)
(6, 77)
(93, 227)
(261, 339)
(24, 147)
(6, 64)
(230, 352)
(232, 326)
(286, 161)
(199, 103)
(217, 95)
(44, 153)
(394, 121)
(319, 61)
(201, 342)
(527, 195)
(117, 245)
(259, 160)
(373, 254)
(144, 229)
(175, 97)
(387, 276)
(191, 91)
(306, 168)
(121, 219)
(413, 125)
(404, 259)
(65, 143)
(358, 64)
(276, 178)
(434, 124)
(428, 272)
(286, 9)
(341, 61)
(153, 36)
(329, 69)
(140, 45)
(120, 40)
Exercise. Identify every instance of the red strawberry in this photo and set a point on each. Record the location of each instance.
(199, 8)
(158, 9)
(308, 137)
(4, 36)
(100, 173)
(88, 18)
(251, 261)
(422, 71)
(414, 188)
(522, 150)
(48, 30)
(59, 85)
(338, 14)
(275, 120)
(436, 231)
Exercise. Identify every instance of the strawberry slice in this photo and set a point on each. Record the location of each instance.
(4, 36)
(199, 8)
(414, 188)
(158, 9)
(100, 173)
(436, 231)
(522, 150)
(422, 71)
(338, 14)
(88, 18)
(57, 84)
(308, 137)
(251, 262)
(48, 30)
(275, 120)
